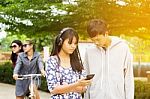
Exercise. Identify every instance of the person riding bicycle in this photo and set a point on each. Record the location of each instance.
(28, 62)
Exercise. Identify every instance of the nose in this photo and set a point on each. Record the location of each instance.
(73, 45)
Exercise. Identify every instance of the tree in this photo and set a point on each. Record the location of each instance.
(128, 17)
(43, 19)
(39, 19)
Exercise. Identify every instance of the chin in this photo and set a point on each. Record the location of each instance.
(25, 51)
(70, 52)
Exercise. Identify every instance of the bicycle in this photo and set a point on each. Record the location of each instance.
(31, 77)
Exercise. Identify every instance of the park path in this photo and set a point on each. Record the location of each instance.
(7, 91)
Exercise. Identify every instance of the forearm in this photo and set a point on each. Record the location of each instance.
(79, 89)
(60, 89)
(42, 70)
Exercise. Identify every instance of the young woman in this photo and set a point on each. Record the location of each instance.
(28, 62)
(16, 47)
(64, 70)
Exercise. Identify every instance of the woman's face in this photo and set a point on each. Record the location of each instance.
(27, 47)
(15, 48)
(69, 48)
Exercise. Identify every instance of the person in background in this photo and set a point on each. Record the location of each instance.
(16, 47)
(64, 69)
(111, 61)
(28, 62)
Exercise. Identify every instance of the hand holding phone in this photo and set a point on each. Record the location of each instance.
(90, 76)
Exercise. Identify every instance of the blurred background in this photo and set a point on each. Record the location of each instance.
(42, 20)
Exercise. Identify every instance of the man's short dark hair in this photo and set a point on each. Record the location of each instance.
(96, 26)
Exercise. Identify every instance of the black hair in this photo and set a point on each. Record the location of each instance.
(75, 58)
(14, 56)
(96, 26)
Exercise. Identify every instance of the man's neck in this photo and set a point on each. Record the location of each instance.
(107, 43)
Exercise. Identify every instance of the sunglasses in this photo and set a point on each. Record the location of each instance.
(14, 46)
(25, 45)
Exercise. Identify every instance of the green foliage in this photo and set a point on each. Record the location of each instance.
(37, 19)
(6, 72)
(33, 17)
(131, 19)
(6, 42)
(139, 47)
(43, 19)
(41, 41)
(142, 90)
(43, 86)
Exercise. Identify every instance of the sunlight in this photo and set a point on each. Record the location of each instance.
(3, 34)
(121, 3)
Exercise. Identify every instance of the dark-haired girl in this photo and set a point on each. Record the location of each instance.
(16, 47)
(64, 70)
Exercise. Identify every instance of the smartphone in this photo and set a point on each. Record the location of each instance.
(90, 76)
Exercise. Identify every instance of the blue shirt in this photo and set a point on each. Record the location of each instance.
(25, 66)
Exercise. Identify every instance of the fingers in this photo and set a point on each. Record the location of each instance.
(83, 82)
(15, 76)
(87, 82)
(43, 72)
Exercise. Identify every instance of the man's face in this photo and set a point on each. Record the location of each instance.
(100, 40)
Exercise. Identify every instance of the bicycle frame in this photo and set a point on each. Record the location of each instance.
(30, 76)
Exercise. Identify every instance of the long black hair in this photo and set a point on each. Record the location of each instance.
(14, 56)
(75, 58)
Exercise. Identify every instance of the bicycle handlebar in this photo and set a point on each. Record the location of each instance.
(21, 77)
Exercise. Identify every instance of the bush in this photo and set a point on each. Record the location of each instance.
(6, 72)
(142, 90)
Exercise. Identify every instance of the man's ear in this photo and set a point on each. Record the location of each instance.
(106, 34)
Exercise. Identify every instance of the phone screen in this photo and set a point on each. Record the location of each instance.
(90, 76)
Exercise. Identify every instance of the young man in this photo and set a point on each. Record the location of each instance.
(111, 62)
